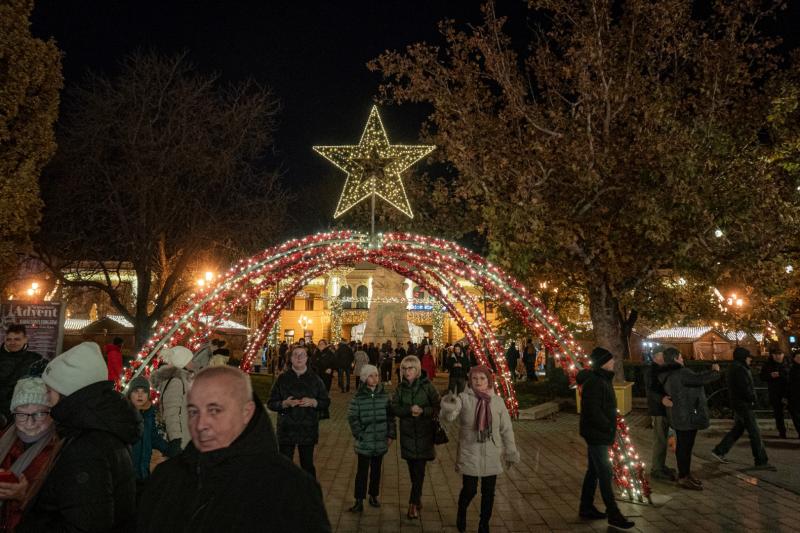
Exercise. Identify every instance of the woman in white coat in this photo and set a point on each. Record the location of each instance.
(485, 442)
(173, 380)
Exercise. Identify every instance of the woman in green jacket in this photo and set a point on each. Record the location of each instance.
(415, 403)
(372, 424)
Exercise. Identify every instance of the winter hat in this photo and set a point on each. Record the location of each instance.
(483, 369)
(671, 355)
(78, 367)
(181, 356)
(366, 370)
(741, 354)
(139, 382)
(29, 391)
(600, 356)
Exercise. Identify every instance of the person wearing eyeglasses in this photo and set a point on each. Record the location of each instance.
(26, 450)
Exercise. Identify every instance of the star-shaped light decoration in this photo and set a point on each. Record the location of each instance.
(373, 167)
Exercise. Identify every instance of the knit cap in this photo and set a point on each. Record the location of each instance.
(366, 370)
(600, 356)
(139, 382)
(78, 367)
(29, 391)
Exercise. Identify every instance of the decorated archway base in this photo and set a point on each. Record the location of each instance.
(437, 265)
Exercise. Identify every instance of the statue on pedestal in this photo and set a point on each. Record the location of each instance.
(386, 319)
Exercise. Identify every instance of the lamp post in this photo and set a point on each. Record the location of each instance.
(735, 304)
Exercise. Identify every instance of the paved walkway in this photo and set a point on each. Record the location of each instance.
(541, 493)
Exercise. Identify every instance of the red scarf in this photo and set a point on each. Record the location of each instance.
(483, 415)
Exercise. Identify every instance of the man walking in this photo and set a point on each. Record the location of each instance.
(219, 481)
(598, 427)
(742, 396)
(657, 403)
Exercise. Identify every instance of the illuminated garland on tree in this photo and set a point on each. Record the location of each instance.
(437, 328)
(336, 320)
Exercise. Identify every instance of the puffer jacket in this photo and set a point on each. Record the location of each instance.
(416, 432)
(224, 489)
(371, 420)
(687, 391)
(481, 458)
(92, 485)
(298, 425)
(598, 422)
(173, 385)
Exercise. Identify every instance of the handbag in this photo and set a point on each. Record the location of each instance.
(439, 434)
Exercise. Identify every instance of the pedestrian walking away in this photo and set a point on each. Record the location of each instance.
(598, 427)
(485, 442)
(742, 397)
(372, 425)
(299, 396)
(775, 373)
(689, 410)
(415, 402)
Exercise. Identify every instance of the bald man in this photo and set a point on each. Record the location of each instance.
(231, 477)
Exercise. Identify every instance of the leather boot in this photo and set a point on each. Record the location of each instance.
(357, 507)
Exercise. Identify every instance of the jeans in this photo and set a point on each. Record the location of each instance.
(371, 465)
(744, 419)
(344, 379)
(306, 453)
(683, 450)
(469, 489)
(598, 472)
(416, 470)
(777, 412)
(660, 435)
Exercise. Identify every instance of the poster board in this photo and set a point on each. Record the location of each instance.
(44, 323)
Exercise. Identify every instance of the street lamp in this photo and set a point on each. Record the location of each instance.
(34, 291)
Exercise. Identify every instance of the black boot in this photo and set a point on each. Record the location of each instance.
(591, 513)
(357, 507)
(373, 501)
(461, 519)
(617, 520)
(483, 527)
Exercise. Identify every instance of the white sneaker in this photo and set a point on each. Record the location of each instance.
(719, 457)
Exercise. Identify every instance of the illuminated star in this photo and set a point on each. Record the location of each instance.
(373, 166)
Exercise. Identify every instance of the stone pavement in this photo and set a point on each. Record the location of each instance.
(541, 493)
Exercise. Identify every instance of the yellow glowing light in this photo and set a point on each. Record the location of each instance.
(373, 167)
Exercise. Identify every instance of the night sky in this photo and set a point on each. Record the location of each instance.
(311, 54)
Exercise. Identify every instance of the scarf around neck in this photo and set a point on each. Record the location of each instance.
(483, 415)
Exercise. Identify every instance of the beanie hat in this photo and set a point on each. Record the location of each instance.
(78, 367)
(366, 370)
(180, 356)
(29, 391)
(483, 369)
(741, 353)
(600, 356)
(139, 382)
(671, 354)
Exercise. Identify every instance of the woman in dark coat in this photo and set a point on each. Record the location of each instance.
(415, 402)
(299, 396)
(326, 362)
(372, 424)
(689, 411)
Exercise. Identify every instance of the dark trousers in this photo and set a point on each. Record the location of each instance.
(456, 385)
(306, 453)
(469, 488)
(327, 379)
(372, 466)
(744, 419)
(660, 433)
(683, 450)
(344, 379)
(416, 471)
(598, 472)
(777, 411)
(794, 411)
(386, 373)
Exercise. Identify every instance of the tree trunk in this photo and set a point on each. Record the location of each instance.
(607, 323)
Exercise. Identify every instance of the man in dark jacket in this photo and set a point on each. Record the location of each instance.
(92, 485)
(220, 480)
(15, 363)
(775, 373)
(742, 396)
(657, 409)
(344, 365)
(512, 358)
(794, 392)
(299, 396)
(457, 366)
(598, 427)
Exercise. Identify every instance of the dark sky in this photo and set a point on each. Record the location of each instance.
(312, 54)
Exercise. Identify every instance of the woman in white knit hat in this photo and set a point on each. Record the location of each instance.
(27, 450)
(173, 380)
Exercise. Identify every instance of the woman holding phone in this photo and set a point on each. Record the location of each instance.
(27, 449)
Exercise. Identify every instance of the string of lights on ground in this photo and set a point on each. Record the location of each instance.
(434, 264)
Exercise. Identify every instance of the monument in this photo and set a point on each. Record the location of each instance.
(386, 318)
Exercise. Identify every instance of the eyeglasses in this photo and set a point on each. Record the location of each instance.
(36, 417)
(408, 368)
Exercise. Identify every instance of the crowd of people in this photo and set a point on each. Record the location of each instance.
(77, 454)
